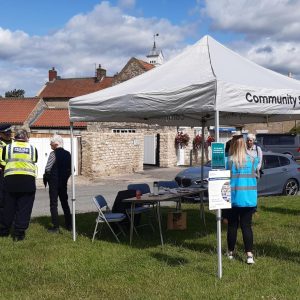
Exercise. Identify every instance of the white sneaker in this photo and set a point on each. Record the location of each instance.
(250, 260)
(230, 255)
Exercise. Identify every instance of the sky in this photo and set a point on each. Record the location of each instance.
(76, 35)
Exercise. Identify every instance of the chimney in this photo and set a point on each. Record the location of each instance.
(52, 74)
(100, 73)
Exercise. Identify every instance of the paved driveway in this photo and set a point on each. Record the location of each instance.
(108, 187)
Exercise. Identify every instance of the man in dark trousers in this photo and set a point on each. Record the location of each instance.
(57, 173)
(5, 139)
(19, 184)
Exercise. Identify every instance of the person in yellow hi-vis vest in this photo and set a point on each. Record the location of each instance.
(19, 184)
(5, 139)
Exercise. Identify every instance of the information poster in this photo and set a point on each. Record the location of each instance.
(219, 189)
(217, 156)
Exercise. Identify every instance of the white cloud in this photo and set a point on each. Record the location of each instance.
(278, 56)
(270, 30)
(11, 42)
(104, 36)
(126, 3)
(279, 18)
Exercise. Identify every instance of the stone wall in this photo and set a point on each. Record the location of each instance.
(167, 149)
(272, 127)
(105, 154)
(189, 147)
(131, 69)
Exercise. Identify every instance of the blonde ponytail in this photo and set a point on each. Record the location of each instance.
(238, 152)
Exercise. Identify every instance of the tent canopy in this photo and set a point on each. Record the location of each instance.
(205, 78)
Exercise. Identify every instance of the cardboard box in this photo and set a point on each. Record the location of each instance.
(176, 220)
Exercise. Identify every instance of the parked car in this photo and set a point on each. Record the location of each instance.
(280, 175)
(286, 143)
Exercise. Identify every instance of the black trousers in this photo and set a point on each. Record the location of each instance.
(17, 209)
(59, 191)
(240, 216)
(2, 194)
(1, 189)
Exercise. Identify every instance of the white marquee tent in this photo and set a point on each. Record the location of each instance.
(207, 82)
(205, 78)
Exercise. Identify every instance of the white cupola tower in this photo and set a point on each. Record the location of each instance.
(155, 56)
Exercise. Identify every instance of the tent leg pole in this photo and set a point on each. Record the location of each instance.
(219, 241)
(202, 149)
(73, 184)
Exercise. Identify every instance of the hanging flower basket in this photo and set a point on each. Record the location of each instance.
(197, 142)
(181, 140)
(210, 139)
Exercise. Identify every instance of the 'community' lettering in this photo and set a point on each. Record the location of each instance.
(286, 100)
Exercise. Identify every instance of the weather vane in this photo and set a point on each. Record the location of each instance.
(154, 35)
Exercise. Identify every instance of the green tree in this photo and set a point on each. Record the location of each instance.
(15, 94)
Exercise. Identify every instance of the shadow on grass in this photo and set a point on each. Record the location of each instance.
(278, 252)
(280, 210)
(43, 221)
(195, 229)
(172, 261)
(85, 224)
(200, 247)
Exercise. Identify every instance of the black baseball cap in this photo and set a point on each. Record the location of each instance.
(5, 127)
(238, 136)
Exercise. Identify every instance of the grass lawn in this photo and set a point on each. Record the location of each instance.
(52, 266)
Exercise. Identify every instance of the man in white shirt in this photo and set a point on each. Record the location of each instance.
(254, 151)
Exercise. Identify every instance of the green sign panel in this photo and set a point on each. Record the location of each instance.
(217, 156)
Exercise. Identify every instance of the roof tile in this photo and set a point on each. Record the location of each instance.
(56, 118)
(74, 87)
(146, 65)
(16, 110)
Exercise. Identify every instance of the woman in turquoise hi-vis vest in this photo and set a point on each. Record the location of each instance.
(243, 196)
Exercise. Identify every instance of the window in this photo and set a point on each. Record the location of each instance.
(271, 161)
(259, 140)
(123, 130)
(277, 139)
(284, 161)
(287, 140)
(271, 140)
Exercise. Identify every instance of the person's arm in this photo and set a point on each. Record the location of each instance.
(50, 162)
(260, 157)
(2, 157)
(36, 156)
(3, 153)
